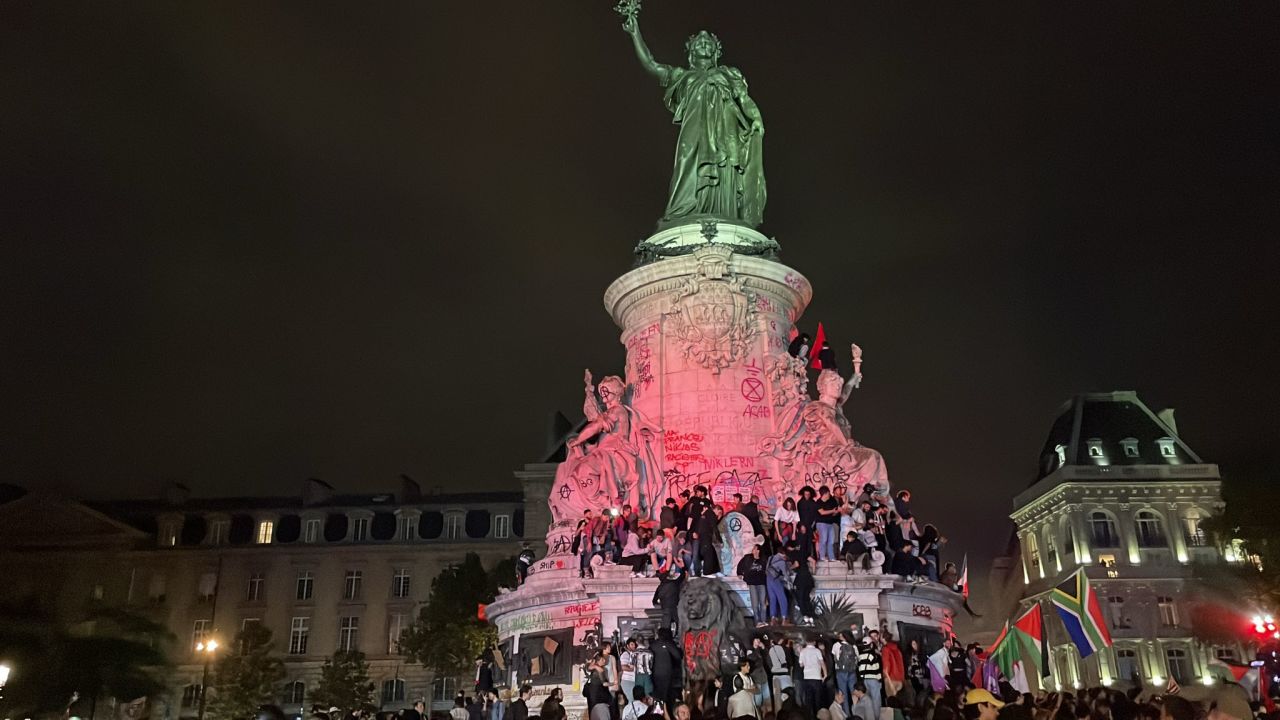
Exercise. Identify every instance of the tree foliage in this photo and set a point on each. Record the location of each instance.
(344, 681)
(247, 676)
(97, 652)
(448, 635)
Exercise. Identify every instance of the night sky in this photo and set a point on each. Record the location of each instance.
(246, 243)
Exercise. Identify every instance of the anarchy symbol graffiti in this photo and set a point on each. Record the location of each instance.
(735, 524)
(753, 389)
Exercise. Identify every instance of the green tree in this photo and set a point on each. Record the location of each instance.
(448, 635)
(249, 675)
(344, 681)
(98, 652)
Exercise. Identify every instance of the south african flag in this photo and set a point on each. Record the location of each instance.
(1081, 615)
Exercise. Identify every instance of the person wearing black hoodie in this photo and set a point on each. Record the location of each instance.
(708, 528)
(666, 667)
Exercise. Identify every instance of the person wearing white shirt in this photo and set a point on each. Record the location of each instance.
(814, 668)
(637, 708)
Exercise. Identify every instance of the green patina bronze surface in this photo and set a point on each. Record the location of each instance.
(718, 174)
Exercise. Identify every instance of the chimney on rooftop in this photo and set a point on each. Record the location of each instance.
(410, 490)
(1166, 417)
(315, 491)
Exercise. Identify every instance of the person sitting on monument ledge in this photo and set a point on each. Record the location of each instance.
(636, 552)
(855, 552)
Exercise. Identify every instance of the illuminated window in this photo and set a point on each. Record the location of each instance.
(1191, 522)
(502, 526)
(1130, 447)
(1103, 530)
(265, 529)
(1150, 529)
(1167, 449)
(361, 530)
(351, 588)
(349, 634)
(1168, 611)
(1095, 448)
(1107, 561)
(305, 585)
(313, 531)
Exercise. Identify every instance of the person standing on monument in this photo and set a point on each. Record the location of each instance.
(807, 508)
(717, 173)
(752, 570)
(828, 523)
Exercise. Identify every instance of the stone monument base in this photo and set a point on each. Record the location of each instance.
(552, 624)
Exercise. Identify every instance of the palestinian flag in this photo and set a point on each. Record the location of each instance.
(1081, 615)
(1024, 635)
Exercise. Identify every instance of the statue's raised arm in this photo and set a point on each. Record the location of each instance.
(630, 12)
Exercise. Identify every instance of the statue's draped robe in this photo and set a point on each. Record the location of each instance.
(717, 172)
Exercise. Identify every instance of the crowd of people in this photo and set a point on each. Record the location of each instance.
(867, 531)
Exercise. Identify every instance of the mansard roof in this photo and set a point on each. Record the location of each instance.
(1121, 425)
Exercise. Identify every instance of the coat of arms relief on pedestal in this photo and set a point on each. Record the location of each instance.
(714, 315)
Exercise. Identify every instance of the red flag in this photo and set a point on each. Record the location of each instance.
(818, 339)
(480, 614)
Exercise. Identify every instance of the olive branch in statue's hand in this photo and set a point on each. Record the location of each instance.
(630, 11)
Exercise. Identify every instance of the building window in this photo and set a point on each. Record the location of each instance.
(348, 634)
(256, 581)
(1107, 561)
(1179, 667)
(1130, 447)
(305, 584)
(1191, 522)
(1115, 605)
(1126, 664)
(219, 530)
(1150, 530)
(295, 693)
(1095, 448)
(1227, 654)
(396, 626)
(97, 592)
(299, 632)
(351, 588)
(1069, 546)
(443, 688)
(1051, 551)
(207, 588)
(392, 690)
(190, 696)
(409, 528)
(361, 531)
(156, 590)
(199, 633)
(400, 583)
(1167, 450)
(313, 531)
(453, 526)
(1103, 530)
(1033, 549)
(1168, 611)
(169, 535)
(265, 529)
(502, 526)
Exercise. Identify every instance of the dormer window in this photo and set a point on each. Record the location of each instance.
(1096, 453)
(360, 532)
(1167, 449)
(1130, 447)
(266, 528)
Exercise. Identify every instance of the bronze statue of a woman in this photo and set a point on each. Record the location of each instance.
(717, 174)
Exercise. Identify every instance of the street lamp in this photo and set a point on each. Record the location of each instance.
(4, 676)
(207, 649)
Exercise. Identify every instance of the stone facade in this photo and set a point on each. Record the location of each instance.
(1121, 495)
(321, 571)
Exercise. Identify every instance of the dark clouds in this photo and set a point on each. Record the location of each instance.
(246, 243)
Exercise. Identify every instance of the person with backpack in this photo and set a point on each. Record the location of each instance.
(779, 668)
(870, 675)
(743, 700)
(776, 574)
(846, 660)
